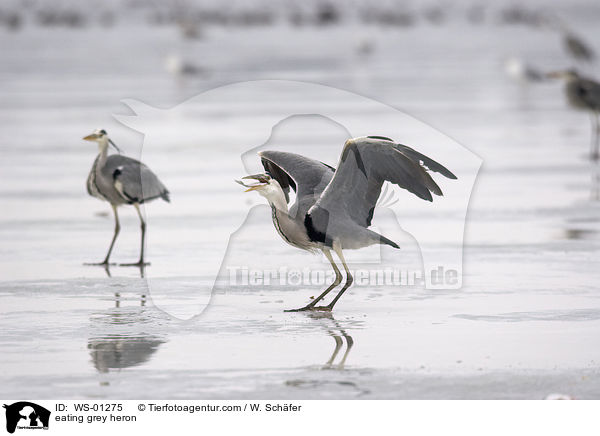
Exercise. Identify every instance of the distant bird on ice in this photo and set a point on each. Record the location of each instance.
(583, 93)
(178, 67)
(121, 180)
(521, 72)
(334, 208)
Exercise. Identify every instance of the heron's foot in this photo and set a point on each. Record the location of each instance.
(302, 309)
(322, 308)
(594, 157)
(139, 264)
(311, 308)
(104, 263)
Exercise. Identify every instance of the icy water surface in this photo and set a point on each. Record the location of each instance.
(525, 324)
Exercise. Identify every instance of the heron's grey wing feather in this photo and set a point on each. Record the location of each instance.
(305, 176)
(363, 167)
(134, 180)
(589, 91)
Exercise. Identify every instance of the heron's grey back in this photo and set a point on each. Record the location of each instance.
(137, 183)
(584, 93)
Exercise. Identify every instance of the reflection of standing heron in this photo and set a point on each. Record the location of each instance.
(122, 347)
(122, 180)
(334, 208)
(122, 351)
(583, 93)
(337, 334)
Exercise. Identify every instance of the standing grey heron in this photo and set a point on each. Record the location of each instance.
(583, 93)
(334, 208)
(121, 180)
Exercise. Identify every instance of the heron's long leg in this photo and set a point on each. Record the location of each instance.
(112, 243)
(338, 345)
(349, 280)
(143, 226)
(117, 230)
(337, 281)
(596, 133)
(140, 262)
(350, 343)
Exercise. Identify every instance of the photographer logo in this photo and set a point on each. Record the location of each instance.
(26, 415)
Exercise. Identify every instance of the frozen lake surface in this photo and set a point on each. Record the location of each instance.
(525, 324)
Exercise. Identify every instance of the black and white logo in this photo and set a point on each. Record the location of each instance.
(26, 415)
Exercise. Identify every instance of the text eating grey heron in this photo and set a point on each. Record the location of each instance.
(121, 180)
(583, 93)
(334, 207)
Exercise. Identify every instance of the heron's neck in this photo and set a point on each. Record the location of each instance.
(102, 149)
(292, 231)
(277, 200)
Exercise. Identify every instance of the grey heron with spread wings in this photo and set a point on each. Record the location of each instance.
(334, 207)
(121, 180)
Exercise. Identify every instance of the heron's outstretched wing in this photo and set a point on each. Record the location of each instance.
(305, 176)
(364, 165)
(134, 181)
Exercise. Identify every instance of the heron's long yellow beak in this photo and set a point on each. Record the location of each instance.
(90, 137)
(251, 187)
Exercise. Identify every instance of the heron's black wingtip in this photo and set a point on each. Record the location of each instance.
(166, 196)
(389, 242)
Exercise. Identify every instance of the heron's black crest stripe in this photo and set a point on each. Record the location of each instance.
(384, 138)
(359, 162)
(103, 131)
(316, 224)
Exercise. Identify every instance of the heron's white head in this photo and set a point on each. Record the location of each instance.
(101, 137)
(268, 187)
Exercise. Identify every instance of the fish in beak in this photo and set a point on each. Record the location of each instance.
(263, 180)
